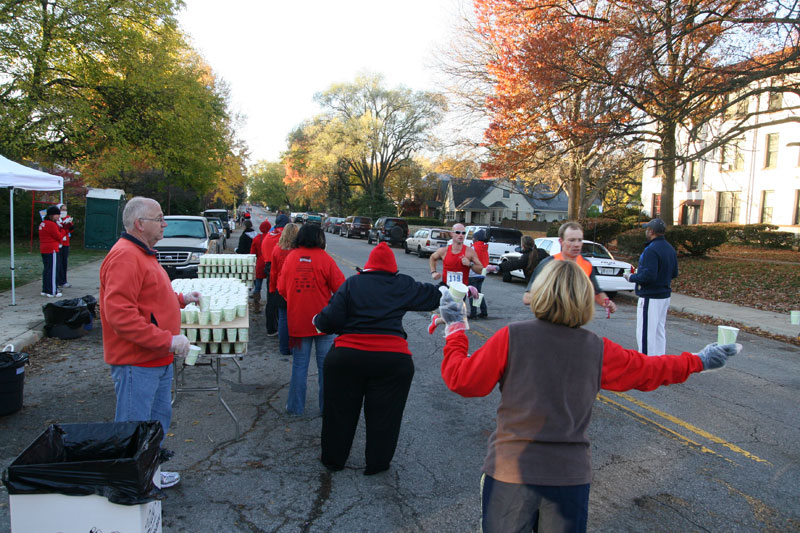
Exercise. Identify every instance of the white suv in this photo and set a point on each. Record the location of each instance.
(425, 241)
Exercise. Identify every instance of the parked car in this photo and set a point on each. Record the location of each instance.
(312, 218)
(501, 240)
(186, 239)
(356, 225)
(221, 214)
(216, 226)
(332, 224)
(393, 230)
(607, 270)
(425, 241)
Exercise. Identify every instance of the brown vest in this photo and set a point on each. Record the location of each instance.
(547, 391)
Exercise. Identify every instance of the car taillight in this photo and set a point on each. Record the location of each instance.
(428, 242)
(633, 269)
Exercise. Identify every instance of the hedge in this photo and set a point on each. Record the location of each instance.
(425, 222)
(602, 230)
(693, 240)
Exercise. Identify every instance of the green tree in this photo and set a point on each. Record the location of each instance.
(265, 184)
(373, 129)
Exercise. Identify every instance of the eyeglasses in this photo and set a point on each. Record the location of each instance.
(158, 219)
(459, 232)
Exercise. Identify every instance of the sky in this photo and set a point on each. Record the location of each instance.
(275, 56)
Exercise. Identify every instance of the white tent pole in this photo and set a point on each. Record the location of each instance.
(11, 225)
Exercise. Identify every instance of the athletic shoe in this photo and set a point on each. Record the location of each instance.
(56, 295)
(433, 324)
(45, 294)
(169, 479)
(67, 285)
(272, 334)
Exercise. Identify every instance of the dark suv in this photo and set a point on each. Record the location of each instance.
(390, 229)
(356, 225)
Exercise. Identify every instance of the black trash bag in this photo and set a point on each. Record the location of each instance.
(116, 460)
(13, 360)
(91, 304)
(65, 318)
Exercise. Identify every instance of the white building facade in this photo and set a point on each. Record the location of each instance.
(753, 179)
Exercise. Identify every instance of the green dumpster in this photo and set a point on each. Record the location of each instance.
(103, 218)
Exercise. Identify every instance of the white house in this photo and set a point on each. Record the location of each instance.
(754, 179)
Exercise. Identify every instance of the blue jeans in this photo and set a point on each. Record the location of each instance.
(301, 356)
(283, 332)
(143, 393)
(259, 282)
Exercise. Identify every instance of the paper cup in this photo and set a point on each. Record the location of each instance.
(794, 316)
(191, 316)
(216, 316)
(230, 334)
(243, 334)
(476, 302)
(229, 312)
(191, 334)
(241, 310)
(204, 303)
(213, 347)
(191, 357)
(726, 334)
(458, 290)
(224, 347)
(239, 347)
(205, 335)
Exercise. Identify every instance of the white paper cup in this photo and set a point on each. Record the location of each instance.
(476, 302)
(205, 335)
(243, 334)
(191, 357)
(726, 334)
(230, 334)
(213, 347)
(218, 334)
(216, 316)
(794, 316)
(203, 317)
(191, 334)
(458, 290)
(239, 347)
(229, 312)
(241, 310)
(191, 316)
(204, 302)
(224, 347)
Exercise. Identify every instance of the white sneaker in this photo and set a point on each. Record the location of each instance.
(67, 285)
(169, 479)
(56, 295)
(45, 294)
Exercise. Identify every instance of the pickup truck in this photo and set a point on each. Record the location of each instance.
(501, 240)
(186, 239)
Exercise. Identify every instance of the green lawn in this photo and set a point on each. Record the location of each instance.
(28, 263)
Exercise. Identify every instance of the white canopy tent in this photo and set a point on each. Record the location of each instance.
(16, 176)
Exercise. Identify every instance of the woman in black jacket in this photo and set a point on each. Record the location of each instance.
(370, 361)
(526, 262)
(246, 238)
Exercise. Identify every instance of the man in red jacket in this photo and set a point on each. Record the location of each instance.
(50, 236)
(141, 320)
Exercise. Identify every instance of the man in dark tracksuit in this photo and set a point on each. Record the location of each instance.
(658, 266)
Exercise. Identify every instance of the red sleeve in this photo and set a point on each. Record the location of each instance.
(474, 375)
(628, 369)
(255, 246)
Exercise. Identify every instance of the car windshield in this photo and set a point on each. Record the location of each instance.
(185, 228)
(592, 249)
(505, 236)
(444, 235)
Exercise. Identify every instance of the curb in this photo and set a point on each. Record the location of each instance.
(29, 338)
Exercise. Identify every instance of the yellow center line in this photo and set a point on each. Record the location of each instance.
(690, 427)
(607, 400)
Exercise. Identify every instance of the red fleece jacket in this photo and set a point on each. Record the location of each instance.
(50, 236)
(139, 310)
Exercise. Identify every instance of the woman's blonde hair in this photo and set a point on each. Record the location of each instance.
(563, 294)
(286, 242)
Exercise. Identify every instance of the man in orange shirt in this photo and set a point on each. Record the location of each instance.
(141, 320)
(570, 235)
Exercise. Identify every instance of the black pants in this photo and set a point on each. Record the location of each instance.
(381, 380)
(271, 309)
(63, 259)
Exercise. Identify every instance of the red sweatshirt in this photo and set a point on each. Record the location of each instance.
(68, 228)
(482, 250)
(623, 369)
(268, 243)
(139, 310)
(50, 236)
(278, 257)
(308, 279)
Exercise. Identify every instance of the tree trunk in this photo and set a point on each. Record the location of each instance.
(668, 182)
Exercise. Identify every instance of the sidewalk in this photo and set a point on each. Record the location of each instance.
(23, 324)
(774, 323)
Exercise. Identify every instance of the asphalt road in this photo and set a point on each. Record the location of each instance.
(718, 453)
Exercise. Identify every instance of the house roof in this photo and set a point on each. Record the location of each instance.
(498, 203)
(464, 189)
(472, 204)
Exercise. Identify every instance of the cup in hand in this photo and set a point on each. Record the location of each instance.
(726, 334)
(194, 352)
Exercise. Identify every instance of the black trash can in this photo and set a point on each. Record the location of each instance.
(12, 380)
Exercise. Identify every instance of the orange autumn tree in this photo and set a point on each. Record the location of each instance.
(633, 73)
(548, 125)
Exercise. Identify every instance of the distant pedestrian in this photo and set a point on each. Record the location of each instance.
(50, 239)
(285, 245)
(66, 223)
(527, 261)
(246, 238)
(370, 362)
(537, 471)
(308, 279)
(658, 266)
(141, 319)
